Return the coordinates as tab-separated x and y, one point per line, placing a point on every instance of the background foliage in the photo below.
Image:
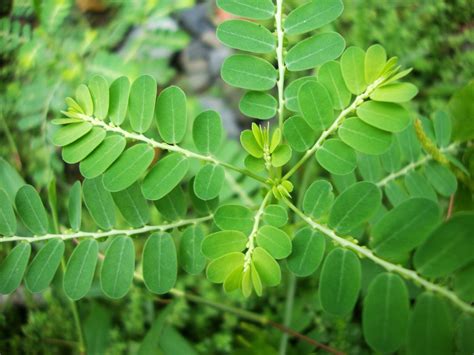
48	48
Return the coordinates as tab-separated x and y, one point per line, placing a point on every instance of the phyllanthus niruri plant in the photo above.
349	121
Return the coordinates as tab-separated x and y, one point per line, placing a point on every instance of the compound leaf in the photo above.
375	60
364	138
207	132
173	205
99	203
275	215
234	217
132	205
209	181
259	105
330	75
396	92
275	241
298	133
119	96
291	92
318	199
70	133
336	157
81	148
218	269
221	243
315	105
386	116
266	266
246	36
353	69
191	258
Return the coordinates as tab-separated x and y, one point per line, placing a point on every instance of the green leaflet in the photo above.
141	104
256	10
308	251
318	199
312	15
7	216
315	51
246	36
103	156
291	92
13	268
354	206
218	269
119	94
171	115
191	258
75	206
369	167
207	132
298	133
384	115
132	205
465	329
84	99
442	126
463	285
459	108
448	248
70	133
80	269
315	105
165	176
409	145
396	92
249	72
342	182
250	144
364	138
267	267
173	205
353	69
234	217
275	215
128	167
116	274
221	243
160	263
99	203
99	89
31	210
418	186
396	194
374	63
258	104
201	206
234	280
81	148
65	121
42	269
209	181
330	75
431	328
340	282
275	241
385	313
443	180
281	155
391	159
10	180
336	157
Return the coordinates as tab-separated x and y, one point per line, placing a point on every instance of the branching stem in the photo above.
335	125
362	251
113	232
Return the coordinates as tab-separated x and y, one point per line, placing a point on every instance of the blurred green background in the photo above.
48	47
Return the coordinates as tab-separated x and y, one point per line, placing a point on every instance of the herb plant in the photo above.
341	171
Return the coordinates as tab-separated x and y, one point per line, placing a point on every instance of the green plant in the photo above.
391	171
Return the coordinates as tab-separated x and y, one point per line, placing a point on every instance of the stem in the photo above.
412	166
290	298
255	317
281	64
362	251
235	186
333	128
253	233
168	147
110	233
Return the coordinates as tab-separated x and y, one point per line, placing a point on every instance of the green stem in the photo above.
412	166
334	127
168	147
109	233
281	63
290	298
363	251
